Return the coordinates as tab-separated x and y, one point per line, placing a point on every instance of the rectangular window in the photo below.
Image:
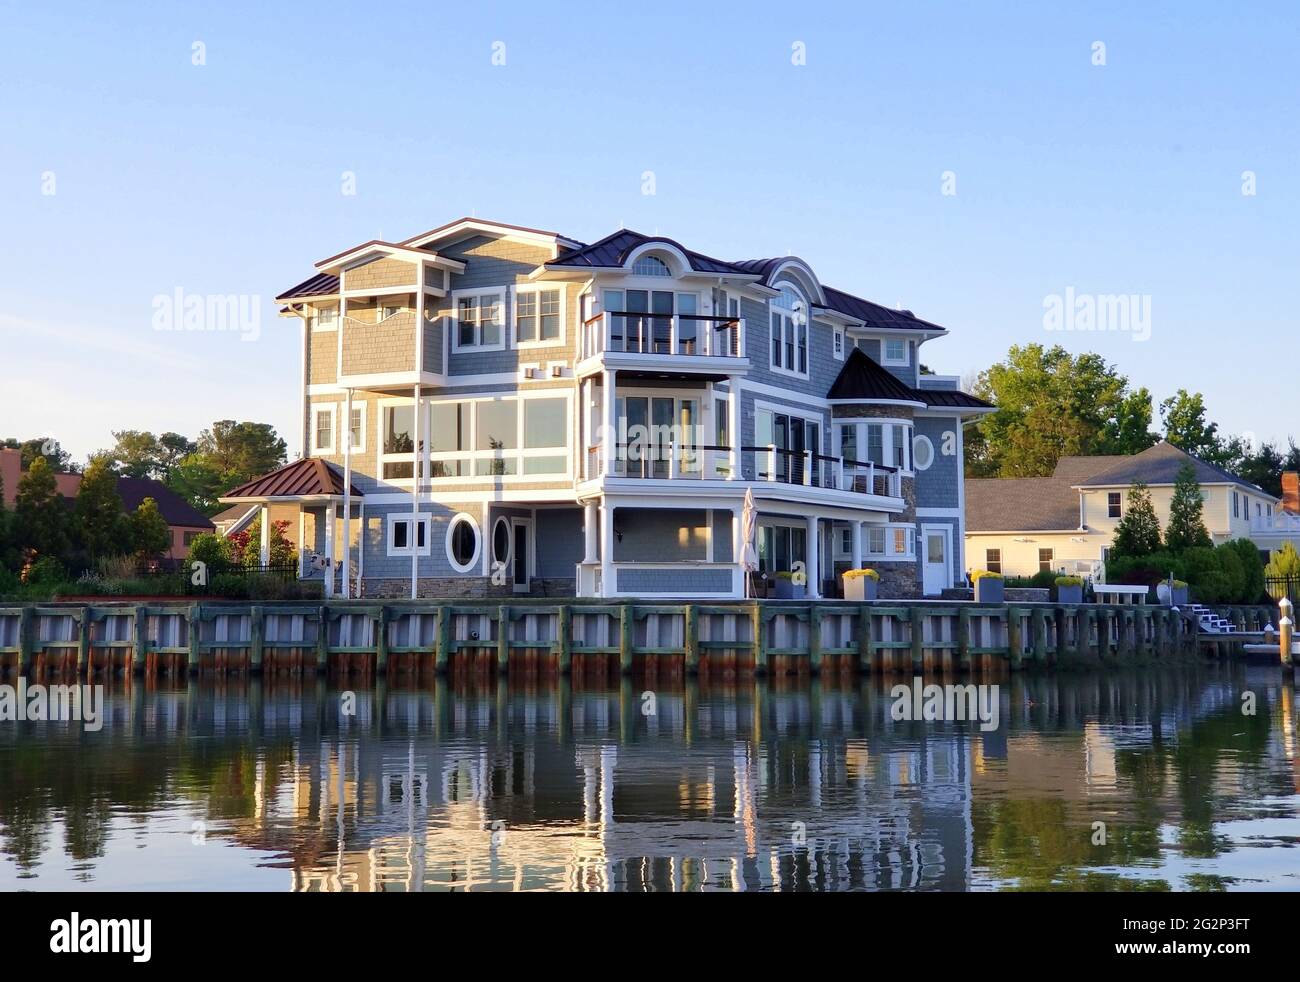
478	321
849	441
789	338
876	443
1234	505
993	560
449	436
402	529
389	310
357	428
894	351
837	344
876	541
900	542
1114	504
537	316
325	319
323	430
1044	560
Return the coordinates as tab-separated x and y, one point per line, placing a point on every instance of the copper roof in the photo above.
308	477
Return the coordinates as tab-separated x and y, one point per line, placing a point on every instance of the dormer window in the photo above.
789	322
651	266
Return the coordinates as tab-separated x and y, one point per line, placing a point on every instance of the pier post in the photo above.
139	625
814	639
381	640
917	632
1284	631
1015	644
503	640
26	639
625	627
864	638
563	636
1062	634
1040	635
256	638
322	639
442	645
83	641
691	638
963	639
760	652
193	627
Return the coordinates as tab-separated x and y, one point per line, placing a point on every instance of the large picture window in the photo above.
481	438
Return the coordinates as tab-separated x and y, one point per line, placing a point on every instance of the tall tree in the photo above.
1052	404
135	453
200	483
1183	417
40	516
100	520
149	529
1186	513
1138	531
242	451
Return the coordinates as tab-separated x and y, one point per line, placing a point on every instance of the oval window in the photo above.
462	542
922	453
501	541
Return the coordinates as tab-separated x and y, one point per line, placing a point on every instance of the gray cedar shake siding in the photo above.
650	531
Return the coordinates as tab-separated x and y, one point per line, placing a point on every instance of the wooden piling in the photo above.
625	637
864	638
691	638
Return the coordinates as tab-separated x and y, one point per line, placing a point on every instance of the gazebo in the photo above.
323	498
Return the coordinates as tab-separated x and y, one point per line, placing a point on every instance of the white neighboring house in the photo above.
1066	523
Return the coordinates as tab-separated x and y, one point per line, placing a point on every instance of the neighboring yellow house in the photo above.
1065	523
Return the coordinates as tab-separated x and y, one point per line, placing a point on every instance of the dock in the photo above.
599	639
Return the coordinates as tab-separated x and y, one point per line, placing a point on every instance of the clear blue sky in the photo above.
226	177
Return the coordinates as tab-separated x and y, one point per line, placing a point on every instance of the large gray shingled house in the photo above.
587	419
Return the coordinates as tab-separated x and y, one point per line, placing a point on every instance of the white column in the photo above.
346	435
606	549
264	550
813	559
737	555
331	517
610	437
591	532
857	544
733	424
416	468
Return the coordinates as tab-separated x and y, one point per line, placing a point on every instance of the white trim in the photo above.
538	238
478	541
359	405
894	362
536	289
775	391
332	409
315	317
839	343
926	442
923	555
502	293
508	559
393	520
938	513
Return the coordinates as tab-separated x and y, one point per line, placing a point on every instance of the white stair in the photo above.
1209	621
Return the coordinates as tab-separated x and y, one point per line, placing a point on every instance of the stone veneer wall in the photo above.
465	587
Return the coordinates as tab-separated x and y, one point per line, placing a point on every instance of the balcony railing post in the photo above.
839	474
771	461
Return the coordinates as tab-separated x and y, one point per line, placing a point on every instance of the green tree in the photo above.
40	515
1186	514
242	451
1183	417
1252	565
100	521
200	483
1138	531
151	534
1052	404
138	453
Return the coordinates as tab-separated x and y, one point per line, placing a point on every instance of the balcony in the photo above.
682	340
671	461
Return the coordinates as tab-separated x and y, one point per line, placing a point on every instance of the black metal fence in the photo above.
214	578
1278	587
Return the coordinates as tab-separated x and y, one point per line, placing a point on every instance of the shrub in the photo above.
47	571
981	574
1069	581
212	549
1282	565
1043	579
1253	569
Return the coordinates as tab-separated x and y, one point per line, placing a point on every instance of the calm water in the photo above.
265	786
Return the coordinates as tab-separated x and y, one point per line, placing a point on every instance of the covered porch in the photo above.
329	514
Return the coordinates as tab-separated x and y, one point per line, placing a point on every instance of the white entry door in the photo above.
936	565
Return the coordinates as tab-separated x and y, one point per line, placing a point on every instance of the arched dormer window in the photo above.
789	323
650	265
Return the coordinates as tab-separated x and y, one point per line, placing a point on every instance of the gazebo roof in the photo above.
309	477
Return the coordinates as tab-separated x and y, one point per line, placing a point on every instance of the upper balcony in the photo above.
680	342
770	470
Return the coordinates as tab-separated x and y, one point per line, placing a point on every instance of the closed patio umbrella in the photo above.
748	528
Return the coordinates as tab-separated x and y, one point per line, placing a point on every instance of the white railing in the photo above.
1279	521
662	334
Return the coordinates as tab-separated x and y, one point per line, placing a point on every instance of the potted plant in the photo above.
787	588
861	584
1173	592
1069	590
988	587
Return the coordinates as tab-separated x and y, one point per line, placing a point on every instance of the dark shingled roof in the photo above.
175	510
320	285
614	249
309	476
873	314
1160	465
951	399
862	378
1020	504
